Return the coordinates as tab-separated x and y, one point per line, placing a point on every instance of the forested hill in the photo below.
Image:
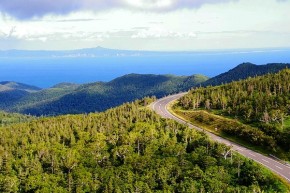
9	85
11	92
125	149
262	102
71	98
244	71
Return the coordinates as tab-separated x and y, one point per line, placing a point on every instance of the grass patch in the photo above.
232	130
213	122
210	126
287	122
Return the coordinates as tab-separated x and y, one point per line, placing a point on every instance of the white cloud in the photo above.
161	33
26	9
150	5
238	24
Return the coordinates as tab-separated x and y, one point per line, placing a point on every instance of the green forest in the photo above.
68	98
244	71
12	118
261	104
125	149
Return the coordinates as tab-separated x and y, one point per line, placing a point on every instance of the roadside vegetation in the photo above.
257	111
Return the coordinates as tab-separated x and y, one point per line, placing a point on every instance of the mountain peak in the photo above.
19	86
100	48
244	71
246	64
65	85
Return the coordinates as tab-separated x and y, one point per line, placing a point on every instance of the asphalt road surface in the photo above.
160	107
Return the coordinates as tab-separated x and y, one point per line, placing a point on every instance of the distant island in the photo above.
107	52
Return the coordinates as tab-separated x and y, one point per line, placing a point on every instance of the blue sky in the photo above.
144	24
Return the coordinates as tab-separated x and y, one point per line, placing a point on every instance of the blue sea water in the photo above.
47	72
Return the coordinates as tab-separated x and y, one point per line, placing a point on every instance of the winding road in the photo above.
160	107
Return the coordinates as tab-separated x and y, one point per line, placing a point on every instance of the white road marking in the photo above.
256	157
273	169
252	154
265	160
278	167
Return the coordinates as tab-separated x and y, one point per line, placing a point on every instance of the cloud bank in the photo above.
26	9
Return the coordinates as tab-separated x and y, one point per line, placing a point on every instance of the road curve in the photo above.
160	107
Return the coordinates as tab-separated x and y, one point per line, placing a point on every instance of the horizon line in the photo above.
139	50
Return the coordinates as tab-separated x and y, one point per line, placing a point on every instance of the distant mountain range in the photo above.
67	98
87	53
106	52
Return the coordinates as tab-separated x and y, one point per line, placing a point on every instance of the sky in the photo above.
144	24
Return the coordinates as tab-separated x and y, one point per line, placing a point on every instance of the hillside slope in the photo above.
244	71
10	85
70	98
12	92
261	102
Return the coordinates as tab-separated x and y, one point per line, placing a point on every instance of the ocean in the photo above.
46	72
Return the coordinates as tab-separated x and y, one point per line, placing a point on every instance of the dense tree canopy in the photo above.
263	102
93	97
244	71
125	149
11	118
